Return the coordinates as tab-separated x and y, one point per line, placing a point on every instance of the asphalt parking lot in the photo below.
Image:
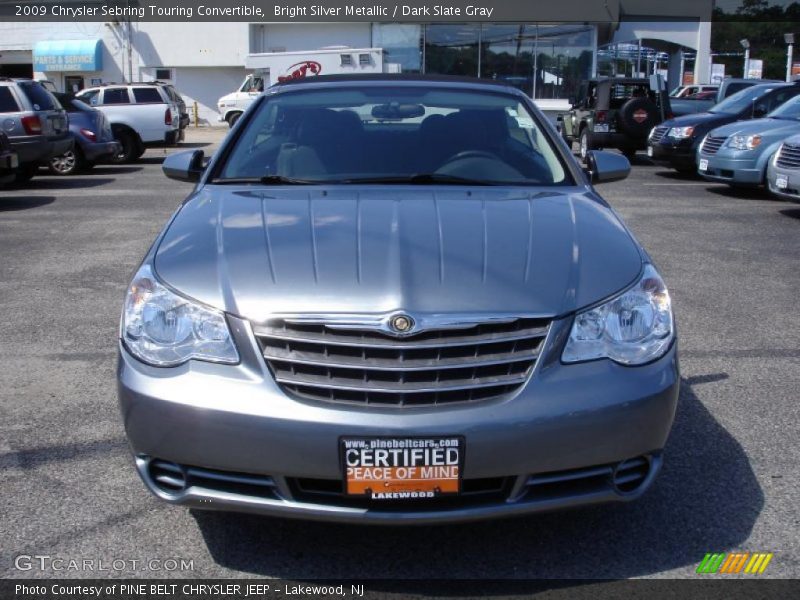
732	465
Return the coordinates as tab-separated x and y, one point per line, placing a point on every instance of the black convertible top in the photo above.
389	77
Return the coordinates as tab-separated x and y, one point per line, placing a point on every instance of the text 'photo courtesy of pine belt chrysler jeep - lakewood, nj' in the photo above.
396	299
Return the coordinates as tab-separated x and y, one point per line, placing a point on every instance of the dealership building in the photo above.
206	60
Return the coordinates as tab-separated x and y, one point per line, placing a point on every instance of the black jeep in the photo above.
613	113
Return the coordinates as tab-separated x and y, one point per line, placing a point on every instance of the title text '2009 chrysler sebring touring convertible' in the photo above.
396	299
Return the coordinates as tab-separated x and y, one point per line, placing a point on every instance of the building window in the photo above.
452	49
364	59
401	44
347	59
162	74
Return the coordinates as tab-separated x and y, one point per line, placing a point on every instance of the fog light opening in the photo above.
167	476
629	475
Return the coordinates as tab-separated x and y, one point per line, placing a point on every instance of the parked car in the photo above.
674	143
738	154
729	87
178	99
613	113
34	122
141	115
704	96
372	311
91	131
686	91
783	170
9	161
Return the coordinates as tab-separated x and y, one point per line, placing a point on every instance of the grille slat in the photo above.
378	341
400	386
658	133
401	364
367	366
789	157
711	145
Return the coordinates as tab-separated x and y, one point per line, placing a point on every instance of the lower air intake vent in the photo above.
630	474
167	475
173	478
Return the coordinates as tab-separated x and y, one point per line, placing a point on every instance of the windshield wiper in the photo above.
421	179
266	179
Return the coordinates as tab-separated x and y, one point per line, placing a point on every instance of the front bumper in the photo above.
733	171
236	420
675	154
792	190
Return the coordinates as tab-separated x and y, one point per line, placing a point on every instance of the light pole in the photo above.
789	39
746	45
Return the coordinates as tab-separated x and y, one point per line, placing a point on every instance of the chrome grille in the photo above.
366	366
658	133
712	144
789	157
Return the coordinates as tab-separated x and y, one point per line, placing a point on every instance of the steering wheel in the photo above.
470	154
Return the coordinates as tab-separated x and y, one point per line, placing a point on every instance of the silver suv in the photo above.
35	123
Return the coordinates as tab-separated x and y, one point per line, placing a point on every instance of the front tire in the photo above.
233	118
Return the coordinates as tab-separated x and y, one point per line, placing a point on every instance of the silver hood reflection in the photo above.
254	252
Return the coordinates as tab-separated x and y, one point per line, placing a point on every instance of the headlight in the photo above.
634	328
745	142
680	133
164	329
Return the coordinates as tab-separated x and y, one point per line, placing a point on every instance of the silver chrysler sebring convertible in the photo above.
396	299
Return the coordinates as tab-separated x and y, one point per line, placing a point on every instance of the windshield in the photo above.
39	97
789	110
394	135
740	101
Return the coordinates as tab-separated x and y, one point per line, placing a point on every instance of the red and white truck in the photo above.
272	67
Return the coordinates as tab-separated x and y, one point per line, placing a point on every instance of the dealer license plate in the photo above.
650	151
782	182
400	468
703	166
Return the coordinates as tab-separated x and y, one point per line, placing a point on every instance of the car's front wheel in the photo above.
233	118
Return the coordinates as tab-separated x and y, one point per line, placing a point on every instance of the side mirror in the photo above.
184	166
607	166
572	100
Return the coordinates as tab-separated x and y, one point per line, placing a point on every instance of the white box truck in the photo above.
272	67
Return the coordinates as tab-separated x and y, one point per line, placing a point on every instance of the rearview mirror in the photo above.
604	167
395	110
184	166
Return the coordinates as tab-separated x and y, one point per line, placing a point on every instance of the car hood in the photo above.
696	119
254	252
766	127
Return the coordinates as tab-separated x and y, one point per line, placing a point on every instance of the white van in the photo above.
272	67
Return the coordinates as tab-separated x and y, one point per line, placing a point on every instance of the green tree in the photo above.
764	25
